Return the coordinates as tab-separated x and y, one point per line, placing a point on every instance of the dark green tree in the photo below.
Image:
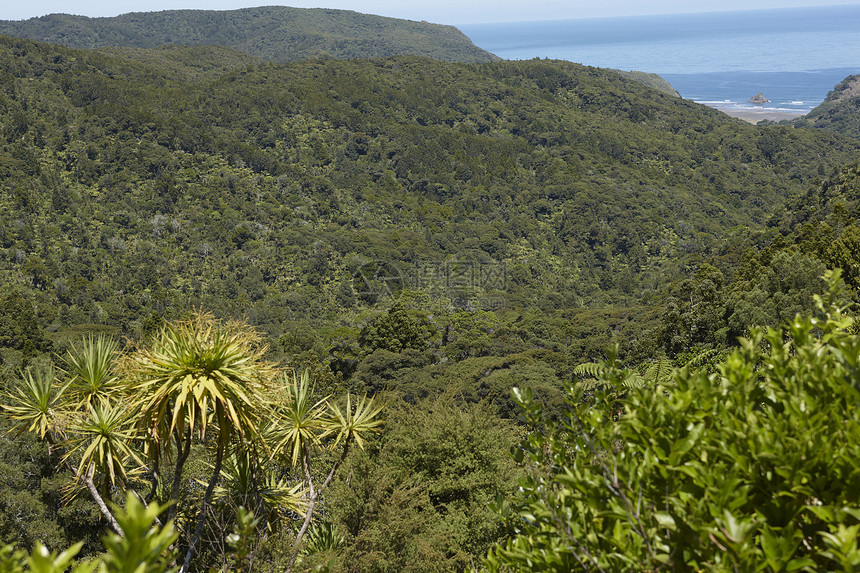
397	330
694	311
19	325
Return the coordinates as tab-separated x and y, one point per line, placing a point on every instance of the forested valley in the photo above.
397	314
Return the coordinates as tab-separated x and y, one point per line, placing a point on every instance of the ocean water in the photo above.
794	56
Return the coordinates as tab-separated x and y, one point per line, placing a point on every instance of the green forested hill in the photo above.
185	63
275	33
137	185
840	110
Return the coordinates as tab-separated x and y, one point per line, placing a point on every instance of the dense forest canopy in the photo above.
134	185
275	33
431	233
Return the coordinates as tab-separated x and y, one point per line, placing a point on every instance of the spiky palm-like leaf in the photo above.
34	401
346	425
279	495
103	438
90	366
323	536
200	370
354	424
245	476
300	420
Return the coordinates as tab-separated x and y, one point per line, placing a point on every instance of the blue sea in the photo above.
794	56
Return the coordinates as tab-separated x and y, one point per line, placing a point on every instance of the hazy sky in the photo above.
440	11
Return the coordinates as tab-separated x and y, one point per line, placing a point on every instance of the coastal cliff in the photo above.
652	81
847	90
840	110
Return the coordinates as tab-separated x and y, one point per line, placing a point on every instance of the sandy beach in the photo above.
755	115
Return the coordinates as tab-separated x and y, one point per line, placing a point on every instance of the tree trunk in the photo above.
154	477
312	498
204	507
314	495
100	502
181	455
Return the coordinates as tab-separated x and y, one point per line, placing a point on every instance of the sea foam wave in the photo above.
783	106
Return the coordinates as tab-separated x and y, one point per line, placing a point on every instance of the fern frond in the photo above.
702	358
590	369
631	381
658	372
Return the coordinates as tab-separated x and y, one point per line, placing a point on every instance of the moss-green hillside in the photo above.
275	33
652	81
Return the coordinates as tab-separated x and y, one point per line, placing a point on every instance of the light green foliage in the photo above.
146	548
749	469
43	561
